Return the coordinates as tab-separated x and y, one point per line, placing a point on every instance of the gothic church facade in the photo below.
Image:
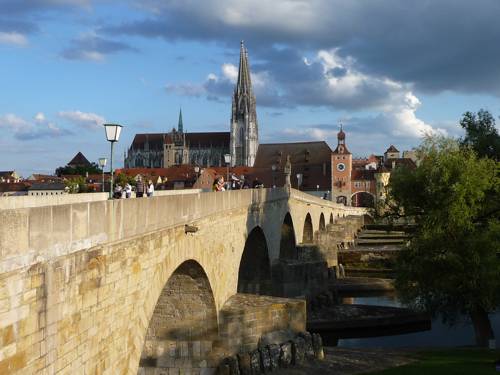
163	150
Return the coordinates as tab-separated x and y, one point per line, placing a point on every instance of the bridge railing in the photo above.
33	234
309	198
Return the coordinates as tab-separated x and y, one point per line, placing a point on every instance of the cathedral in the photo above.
163	150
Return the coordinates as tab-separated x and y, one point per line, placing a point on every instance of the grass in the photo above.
463	361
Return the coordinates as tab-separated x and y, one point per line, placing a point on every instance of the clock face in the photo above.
340	167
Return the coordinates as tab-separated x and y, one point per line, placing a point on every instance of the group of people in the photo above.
234	183
140	189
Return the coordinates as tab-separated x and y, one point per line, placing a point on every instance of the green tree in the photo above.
481	134
451	266
122	179
93	168
76	185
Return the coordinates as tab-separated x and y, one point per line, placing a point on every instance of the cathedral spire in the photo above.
244	139
244	81
180	126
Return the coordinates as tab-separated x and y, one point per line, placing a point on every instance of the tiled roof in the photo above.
300	153
392	149
400	162
363	174
154	140
14	186
79	159
47	186
202	140
6	174
205	140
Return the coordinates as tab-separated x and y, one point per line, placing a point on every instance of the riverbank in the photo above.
349	361
407	361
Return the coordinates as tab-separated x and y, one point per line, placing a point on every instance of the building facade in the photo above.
363	182
341	171
204	149
163	150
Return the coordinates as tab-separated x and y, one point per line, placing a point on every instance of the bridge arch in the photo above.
288	248
362	199
322	225
254	273
307	236
183	325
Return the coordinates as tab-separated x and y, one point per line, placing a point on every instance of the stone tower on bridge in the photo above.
244	127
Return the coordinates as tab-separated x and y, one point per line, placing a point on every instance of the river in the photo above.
440	335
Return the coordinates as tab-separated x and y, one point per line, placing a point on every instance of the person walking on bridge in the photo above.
139	188
151	188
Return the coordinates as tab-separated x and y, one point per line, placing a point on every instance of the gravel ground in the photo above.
347	361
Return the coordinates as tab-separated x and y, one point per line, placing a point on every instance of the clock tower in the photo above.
341	171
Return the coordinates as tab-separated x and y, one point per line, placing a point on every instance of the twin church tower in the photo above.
163	150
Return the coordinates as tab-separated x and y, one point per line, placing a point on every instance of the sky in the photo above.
389	70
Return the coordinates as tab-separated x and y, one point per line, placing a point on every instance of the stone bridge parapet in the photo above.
83	285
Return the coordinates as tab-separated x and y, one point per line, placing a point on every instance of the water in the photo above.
440	335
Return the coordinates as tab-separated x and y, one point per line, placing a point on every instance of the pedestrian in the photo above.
117	193
257	184
139	188
218	184
128	190
151	188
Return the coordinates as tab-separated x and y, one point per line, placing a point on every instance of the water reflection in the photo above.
440	335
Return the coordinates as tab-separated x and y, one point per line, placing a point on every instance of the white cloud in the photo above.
26	130
40	117
230	72
13	38
85	119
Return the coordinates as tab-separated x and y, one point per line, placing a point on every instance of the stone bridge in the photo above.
104	287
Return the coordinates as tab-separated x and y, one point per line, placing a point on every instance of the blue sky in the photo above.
388	69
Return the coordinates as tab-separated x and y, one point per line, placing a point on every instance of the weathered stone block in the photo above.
232	364
255	362
285	354
318	346
244	364
309	351
298	350
265	359
274	355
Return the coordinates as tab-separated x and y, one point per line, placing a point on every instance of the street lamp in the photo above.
299	180
102	164
273	167
112	135
227	159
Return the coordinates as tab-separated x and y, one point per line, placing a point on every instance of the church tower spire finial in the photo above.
244	84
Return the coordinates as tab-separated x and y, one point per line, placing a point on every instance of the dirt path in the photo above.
346	361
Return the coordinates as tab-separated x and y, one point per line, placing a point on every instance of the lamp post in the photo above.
113	132
227	159
102	164
273	167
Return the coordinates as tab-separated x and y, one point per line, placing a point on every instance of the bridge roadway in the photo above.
87	288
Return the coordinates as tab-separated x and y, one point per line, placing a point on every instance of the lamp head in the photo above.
113	132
